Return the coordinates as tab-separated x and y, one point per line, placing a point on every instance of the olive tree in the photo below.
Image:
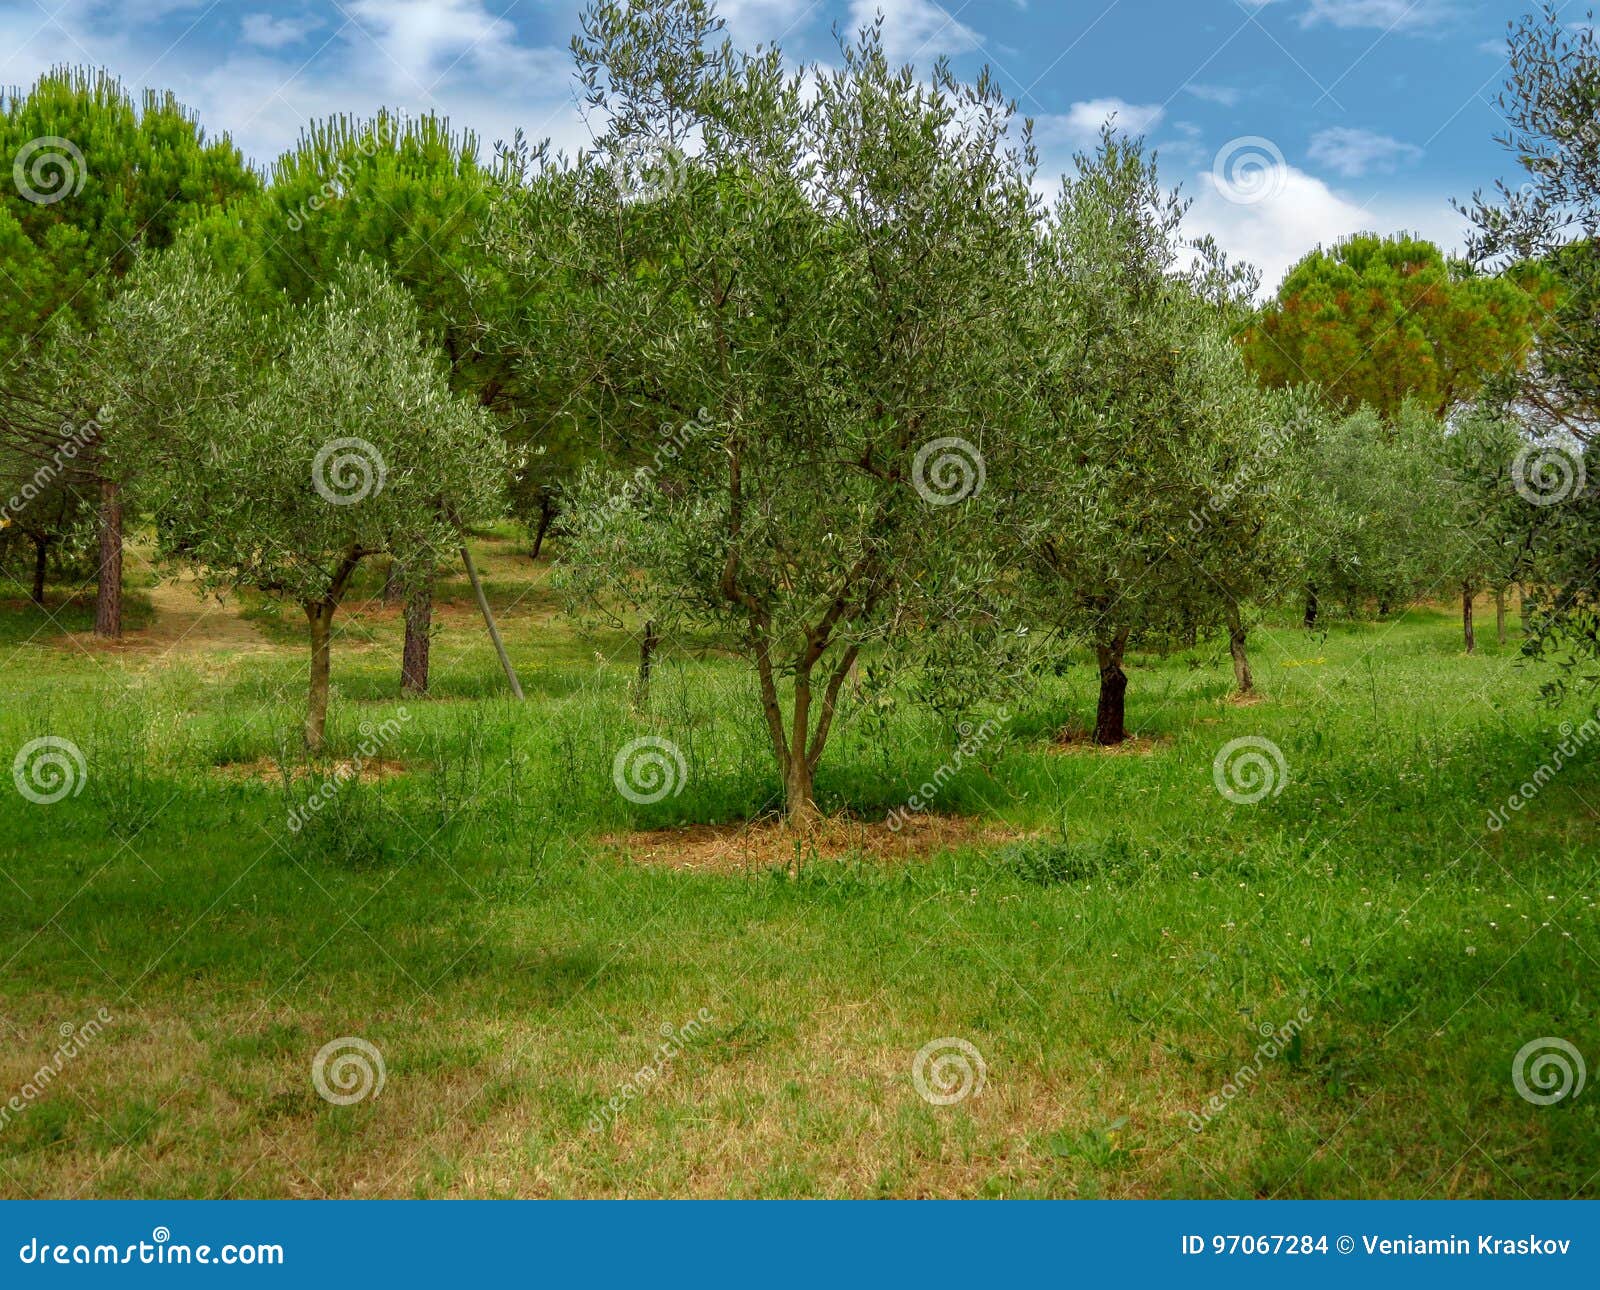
349	443
1379	530
822	284
1143	415
1503	536
1548	214
409	194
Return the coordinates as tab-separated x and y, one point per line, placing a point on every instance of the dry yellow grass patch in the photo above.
269	770
767	844
1072	739
1251	700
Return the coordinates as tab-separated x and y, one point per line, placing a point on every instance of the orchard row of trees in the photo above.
801	359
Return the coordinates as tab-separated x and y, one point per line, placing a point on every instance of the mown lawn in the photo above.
1113	970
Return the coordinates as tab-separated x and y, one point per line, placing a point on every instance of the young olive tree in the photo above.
1379	518
409	194
1143	414
820	287
1503	538
1247	543
349	444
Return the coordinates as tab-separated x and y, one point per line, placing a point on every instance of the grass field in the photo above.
559	1012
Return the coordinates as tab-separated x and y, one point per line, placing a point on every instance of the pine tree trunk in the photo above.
1110	720
319	615
1236	647
1466	616
1312	607
648	643
41	556
108	582
419	631
1500	614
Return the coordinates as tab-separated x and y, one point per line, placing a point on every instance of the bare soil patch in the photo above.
1075	740
759	845
182	621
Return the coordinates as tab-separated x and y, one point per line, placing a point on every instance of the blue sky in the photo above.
1288	122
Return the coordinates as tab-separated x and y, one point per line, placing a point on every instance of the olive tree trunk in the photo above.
1500	614
319	616
649	642
799	801
41	556
1110	718
1466	616
1312	606
1236	647
547	512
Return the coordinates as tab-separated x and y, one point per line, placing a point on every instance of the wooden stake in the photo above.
488	618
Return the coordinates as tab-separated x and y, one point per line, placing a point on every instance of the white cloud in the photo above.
1226	95
421	41
915	31
1397	15
264	99
1079	126
269	32
1300	212
1353	153
770	22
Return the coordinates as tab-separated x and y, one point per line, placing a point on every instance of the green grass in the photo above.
1114	967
